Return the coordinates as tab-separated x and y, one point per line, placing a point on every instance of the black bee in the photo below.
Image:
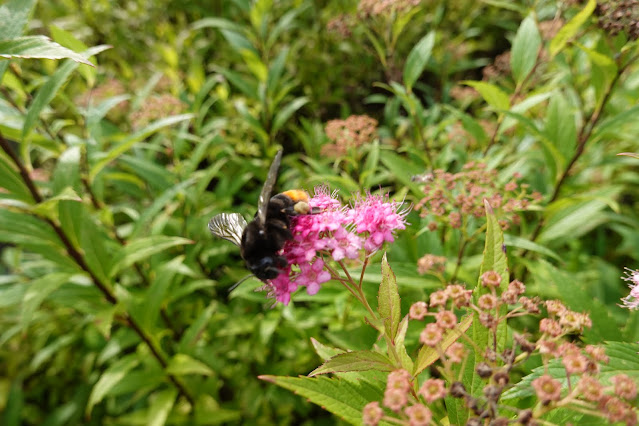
261	239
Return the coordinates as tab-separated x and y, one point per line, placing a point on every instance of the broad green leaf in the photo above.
427	355
14	15
20	228
569	30
151	304
355	361
160	407
417	60
67	170
284	113
523	243
525	49
493	95
114	374
182	364
140	249
560	128
134	139
38	47
343	398
388	301
37	292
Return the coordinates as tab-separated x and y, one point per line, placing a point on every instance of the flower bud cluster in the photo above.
353	132
580	384
453	197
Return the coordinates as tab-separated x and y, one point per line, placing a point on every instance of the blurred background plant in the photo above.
113	299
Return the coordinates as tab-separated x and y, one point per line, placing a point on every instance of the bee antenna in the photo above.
234	286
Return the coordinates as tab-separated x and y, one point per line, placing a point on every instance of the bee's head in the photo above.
268	267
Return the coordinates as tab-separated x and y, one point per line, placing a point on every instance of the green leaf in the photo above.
49	89
182	364
140	249
417	60
525	49
111	377
427	355
40	47
133	139
388	301
325	352
11	180
492	94
523	243
355	361
160	407
343	398
284	113
14	15
22	229
560	128
37	292
569	30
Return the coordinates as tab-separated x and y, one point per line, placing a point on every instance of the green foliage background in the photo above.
113	296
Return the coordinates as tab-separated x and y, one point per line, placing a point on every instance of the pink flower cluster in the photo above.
632	300
336	232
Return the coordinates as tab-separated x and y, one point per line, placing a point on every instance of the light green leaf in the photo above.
14	15
37	292
160	407
525	49
355	361
49	207
388	301
111	377
523	243
493	95
182	364
38	47
12	182
143	248
569	30
417	59
325	352
341	397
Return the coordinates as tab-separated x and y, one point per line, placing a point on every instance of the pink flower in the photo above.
547	388
334	231
632	300
432	390
372	414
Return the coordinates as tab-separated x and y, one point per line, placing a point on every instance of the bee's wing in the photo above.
228	226
265	195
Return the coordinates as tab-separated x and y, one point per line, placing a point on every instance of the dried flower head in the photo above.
590	388
547	388
455	352
372	414
616	16
418	310
625	387
156	107
371	8
430	263
353	132
418	415
340	25
432	390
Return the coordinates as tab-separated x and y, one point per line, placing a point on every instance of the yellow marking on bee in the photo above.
297	195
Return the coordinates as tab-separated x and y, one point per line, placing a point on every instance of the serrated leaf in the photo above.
140	249
343	398
182	364
37	292
111	376
388	301
525	49
14	15
569	30
493	95
355	361
428	355
38	47
325	352
417	59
